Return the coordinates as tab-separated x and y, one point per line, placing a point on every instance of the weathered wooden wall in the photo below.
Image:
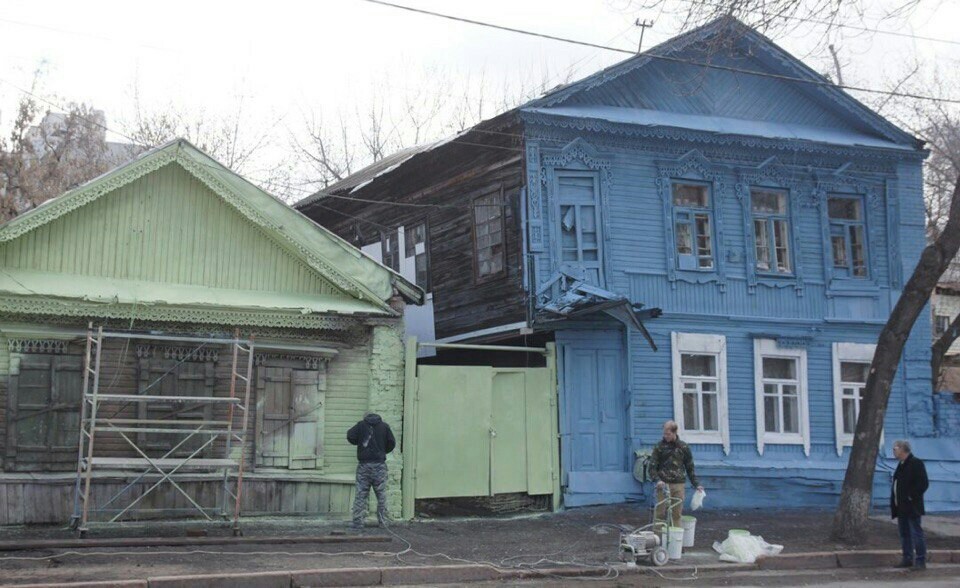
43	492
442	187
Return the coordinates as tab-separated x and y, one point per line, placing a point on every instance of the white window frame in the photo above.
769	348
707	345
852	352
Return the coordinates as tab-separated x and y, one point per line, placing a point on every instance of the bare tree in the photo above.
850	519
47	152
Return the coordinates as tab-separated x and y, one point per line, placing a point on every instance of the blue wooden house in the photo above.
710	231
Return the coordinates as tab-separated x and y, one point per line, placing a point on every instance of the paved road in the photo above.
936	576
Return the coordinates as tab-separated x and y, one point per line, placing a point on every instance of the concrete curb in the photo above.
391	576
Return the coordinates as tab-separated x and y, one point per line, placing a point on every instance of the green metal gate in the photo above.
479	430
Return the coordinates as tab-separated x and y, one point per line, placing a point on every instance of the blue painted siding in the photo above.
813	306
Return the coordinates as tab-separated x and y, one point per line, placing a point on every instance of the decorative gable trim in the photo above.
758	44
182	153
85	194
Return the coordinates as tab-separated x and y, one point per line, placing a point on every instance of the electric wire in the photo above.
806	19
654	56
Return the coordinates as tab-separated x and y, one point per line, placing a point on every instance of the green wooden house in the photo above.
175	244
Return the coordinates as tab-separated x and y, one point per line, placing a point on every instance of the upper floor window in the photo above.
848	237
693	222
941	324
771	230
389	250
580	229
415	247
488	235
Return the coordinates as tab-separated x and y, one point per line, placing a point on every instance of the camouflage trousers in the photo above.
375	475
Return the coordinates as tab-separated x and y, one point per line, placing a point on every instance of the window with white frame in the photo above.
771	230
851	365
700	387
693	226
781	395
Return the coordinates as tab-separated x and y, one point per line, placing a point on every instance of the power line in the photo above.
649	55
807	19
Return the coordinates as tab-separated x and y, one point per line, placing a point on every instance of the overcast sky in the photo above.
295	57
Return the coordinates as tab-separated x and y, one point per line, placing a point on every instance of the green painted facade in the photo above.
175	243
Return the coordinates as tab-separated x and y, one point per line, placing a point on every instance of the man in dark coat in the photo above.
906	505
374	440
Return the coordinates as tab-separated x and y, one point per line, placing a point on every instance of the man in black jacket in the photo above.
906	505
374	440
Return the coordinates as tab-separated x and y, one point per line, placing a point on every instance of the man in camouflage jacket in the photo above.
671	463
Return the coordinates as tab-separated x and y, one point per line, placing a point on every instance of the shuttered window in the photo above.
43	415
175	377
290	417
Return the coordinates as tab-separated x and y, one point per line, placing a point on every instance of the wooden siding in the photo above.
322	490
165	227
50	501
690	89
450	178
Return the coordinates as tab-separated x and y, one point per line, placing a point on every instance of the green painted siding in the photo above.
348	385
165	227
4	383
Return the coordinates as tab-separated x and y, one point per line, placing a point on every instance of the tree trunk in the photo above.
849	522
940	348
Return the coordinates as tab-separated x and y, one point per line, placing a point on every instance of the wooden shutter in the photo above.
170	377
44	411
273	411
290	417
306	428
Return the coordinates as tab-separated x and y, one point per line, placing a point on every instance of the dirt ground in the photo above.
583	536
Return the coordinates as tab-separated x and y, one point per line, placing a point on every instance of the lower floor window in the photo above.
700	387
851	366
781	395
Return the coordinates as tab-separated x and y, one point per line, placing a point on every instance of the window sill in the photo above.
701	438
852	287
782	439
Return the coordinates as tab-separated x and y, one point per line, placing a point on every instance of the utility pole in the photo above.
644	25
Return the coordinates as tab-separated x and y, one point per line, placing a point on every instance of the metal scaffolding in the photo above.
168	468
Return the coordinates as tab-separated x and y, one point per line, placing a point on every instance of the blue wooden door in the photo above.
594	407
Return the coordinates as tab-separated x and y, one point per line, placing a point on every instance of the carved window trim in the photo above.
45	346
872	195
693	167
577	157
770	174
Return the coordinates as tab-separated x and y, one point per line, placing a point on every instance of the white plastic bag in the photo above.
745	548
696	503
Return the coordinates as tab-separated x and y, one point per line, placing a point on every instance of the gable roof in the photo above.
730	28
332	257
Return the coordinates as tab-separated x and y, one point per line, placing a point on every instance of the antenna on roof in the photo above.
644	25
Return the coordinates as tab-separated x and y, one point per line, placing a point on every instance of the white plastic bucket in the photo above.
675	548
689	529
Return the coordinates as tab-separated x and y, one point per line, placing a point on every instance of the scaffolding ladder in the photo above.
168	468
